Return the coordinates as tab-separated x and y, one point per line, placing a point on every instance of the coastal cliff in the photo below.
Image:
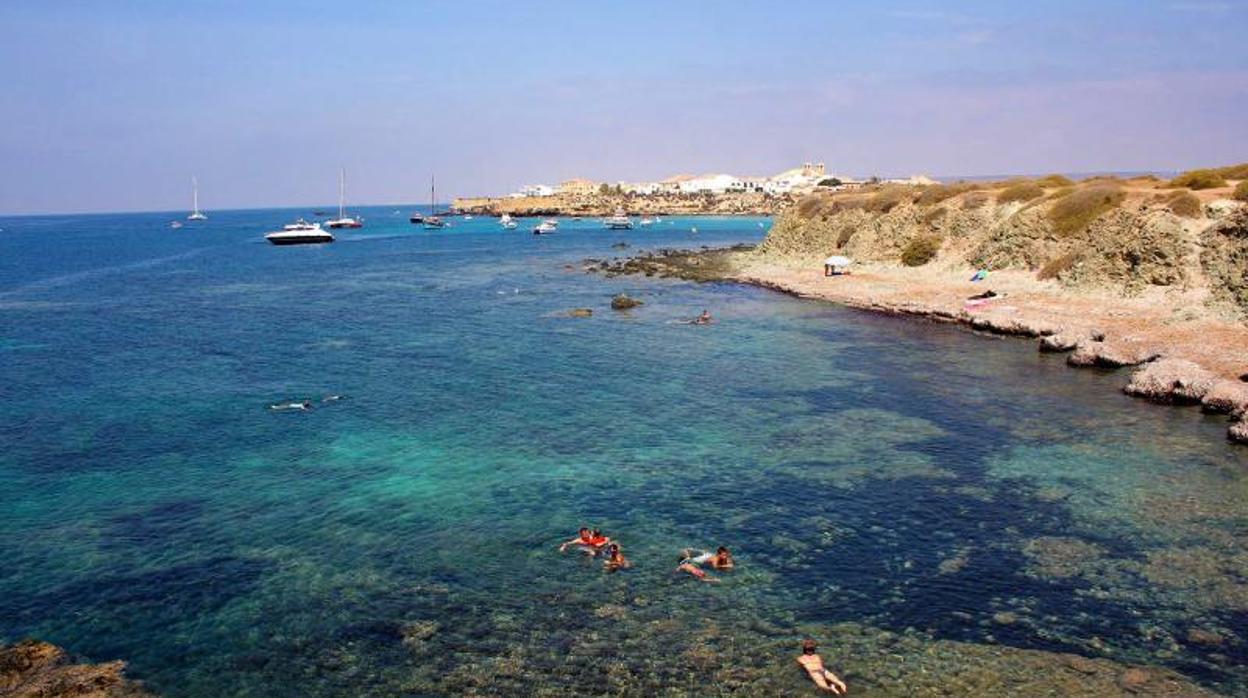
1116	272
602	204
32	668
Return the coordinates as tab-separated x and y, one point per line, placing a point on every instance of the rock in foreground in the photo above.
32	668
1171	380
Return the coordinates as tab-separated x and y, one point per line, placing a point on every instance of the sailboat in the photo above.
342	221
195	213
432	221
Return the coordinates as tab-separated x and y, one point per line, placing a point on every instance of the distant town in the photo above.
682	193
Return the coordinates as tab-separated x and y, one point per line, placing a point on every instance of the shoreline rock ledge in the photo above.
33	668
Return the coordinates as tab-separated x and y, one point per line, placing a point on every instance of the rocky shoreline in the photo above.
31	668
601	205
1164	373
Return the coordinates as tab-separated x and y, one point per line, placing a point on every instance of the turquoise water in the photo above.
402	541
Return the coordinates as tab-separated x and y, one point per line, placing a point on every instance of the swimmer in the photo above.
813	664
292	406
722	560
615	559
583	538
597	540
703	319
333	398
683	565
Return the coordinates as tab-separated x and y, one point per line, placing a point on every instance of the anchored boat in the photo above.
300	232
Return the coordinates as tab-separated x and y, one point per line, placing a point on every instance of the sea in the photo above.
401	537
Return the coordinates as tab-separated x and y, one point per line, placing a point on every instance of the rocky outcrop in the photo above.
623	301
1171	381
1226	396
1224	258
1110	354
31	669
1239	432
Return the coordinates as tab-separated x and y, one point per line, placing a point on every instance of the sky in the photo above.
115	105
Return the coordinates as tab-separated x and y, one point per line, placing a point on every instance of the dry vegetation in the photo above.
1241	191
1183	203
1020	191
1199	179
1075	211
920	250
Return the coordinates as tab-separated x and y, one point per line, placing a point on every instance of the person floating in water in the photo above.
721	559
615	559
813	664
333	398
591	542
703	319
582	539
292	406
685	565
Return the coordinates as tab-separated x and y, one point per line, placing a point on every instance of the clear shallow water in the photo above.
897	474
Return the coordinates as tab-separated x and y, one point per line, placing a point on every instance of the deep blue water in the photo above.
893	473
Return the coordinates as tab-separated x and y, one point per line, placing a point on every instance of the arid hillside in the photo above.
1188	234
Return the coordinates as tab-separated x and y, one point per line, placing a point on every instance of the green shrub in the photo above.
1183	203
1022	191
1076	210
1199	179
920	250
1241	191
889	198
1056	266
1054	180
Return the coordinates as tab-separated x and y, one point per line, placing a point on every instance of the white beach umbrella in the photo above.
838	261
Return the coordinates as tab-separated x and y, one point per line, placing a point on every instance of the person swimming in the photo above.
703	319
615	559
813	664
583	538
721	559
291	406
333	398
684	565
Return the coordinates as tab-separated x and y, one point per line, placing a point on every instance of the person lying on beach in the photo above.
583	538
813	664
292	406
721	559
615	559
693	570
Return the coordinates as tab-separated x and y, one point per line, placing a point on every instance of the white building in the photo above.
535	190
712	184
640	188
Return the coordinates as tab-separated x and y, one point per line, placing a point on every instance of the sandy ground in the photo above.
1174	324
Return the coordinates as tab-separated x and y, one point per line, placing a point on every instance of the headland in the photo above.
1143	272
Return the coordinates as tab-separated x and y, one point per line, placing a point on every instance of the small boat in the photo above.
467	217
646	221
619	221
300	232
546	227
433	222
175	224
343	220
196	214
417	218
508	222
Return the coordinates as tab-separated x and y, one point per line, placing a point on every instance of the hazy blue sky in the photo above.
114	105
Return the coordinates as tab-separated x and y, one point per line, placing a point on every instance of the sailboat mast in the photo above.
342	193
194	195
431	195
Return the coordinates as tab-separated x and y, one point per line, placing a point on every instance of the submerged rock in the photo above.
623	301
1171	380
33	668
581	312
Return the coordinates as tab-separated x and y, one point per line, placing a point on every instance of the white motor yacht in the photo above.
619	221
300	232
546	227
